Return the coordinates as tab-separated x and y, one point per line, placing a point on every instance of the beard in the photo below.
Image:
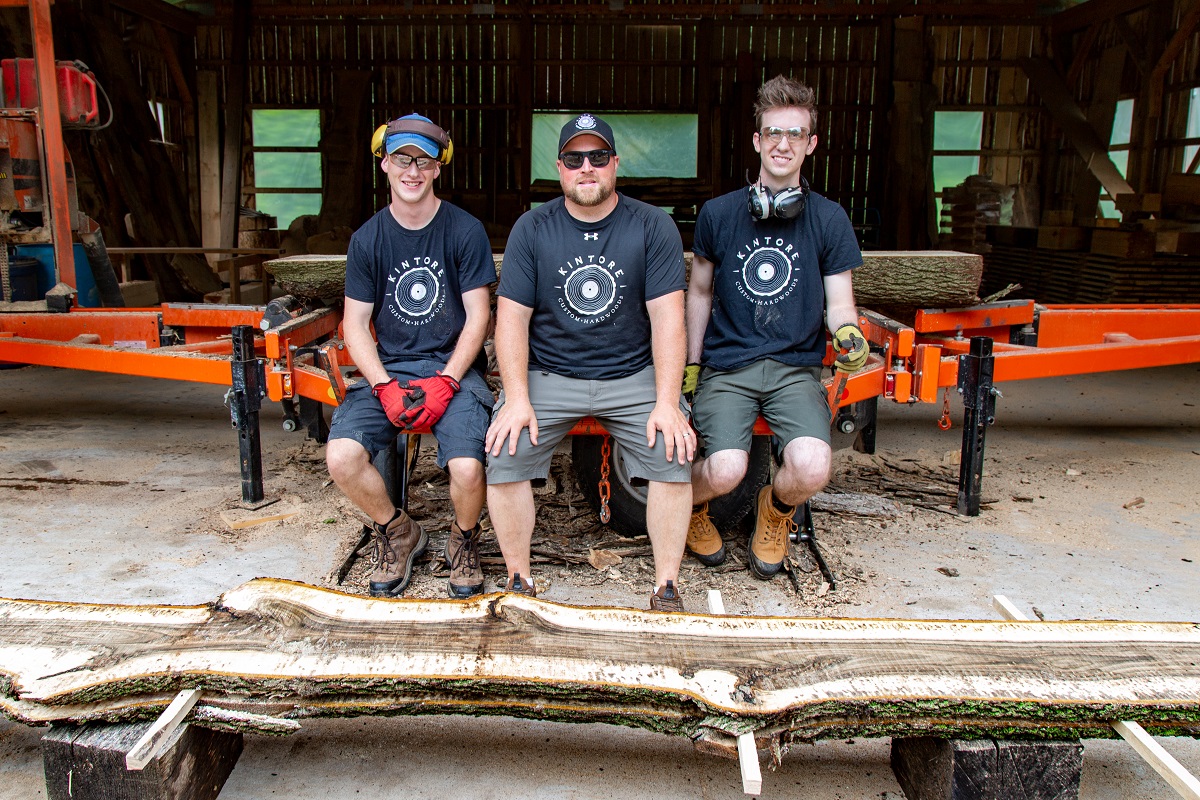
589	196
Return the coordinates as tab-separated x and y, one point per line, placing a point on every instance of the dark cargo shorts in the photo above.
459	433
791	399
621	405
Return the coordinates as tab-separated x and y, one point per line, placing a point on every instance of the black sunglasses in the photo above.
573	159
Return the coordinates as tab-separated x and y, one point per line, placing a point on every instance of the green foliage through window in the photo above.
955	131
286	156
649	145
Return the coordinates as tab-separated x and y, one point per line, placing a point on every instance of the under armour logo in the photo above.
593	236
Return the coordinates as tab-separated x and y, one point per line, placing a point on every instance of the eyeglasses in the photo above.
424	163
775	135
573	159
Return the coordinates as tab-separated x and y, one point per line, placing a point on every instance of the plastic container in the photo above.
23	279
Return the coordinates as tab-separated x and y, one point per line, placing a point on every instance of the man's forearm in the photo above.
469	343
699	309
512	355
366	355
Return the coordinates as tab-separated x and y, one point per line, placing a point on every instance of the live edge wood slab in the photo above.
271	651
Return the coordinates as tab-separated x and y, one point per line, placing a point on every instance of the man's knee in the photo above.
724	470
344	457
467	473
808	464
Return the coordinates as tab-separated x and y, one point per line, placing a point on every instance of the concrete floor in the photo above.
137	449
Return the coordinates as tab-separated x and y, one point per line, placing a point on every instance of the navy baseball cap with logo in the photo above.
586	123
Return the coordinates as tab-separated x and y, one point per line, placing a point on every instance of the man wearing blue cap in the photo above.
589	322
419	271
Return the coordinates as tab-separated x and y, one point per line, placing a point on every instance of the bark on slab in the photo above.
286	650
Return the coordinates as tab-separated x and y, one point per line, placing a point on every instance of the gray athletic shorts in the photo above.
621	405
459	433
791	399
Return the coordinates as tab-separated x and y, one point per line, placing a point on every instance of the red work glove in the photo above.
396	398
437	390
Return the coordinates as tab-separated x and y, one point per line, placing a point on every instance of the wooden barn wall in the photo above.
468	74
1138	39
976	68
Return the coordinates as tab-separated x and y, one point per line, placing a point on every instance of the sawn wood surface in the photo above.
283	650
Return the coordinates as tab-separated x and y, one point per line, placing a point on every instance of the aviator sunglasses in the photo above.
573	159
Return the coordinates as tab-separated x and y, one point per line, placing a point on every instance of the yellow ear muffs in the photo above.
420	127
377	141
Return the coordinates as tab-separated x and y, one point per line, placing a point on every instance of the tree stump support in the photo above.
88	763
930	768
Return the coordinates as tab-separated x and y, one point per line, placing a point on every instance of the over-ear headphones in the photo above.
787	204
420	127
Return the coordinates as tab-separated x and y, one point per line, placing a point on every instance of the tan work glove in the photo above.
851	347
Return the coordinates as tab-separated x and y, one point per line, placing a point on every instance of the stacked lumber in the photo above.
273	651
1054	276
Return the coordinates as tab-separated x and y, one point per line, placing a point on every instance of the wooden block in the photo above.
1012	236
139	294
1063	237
239	518
1145	203
929	768
252	295
1058	219
1123	244
1181	189
88	763
1184	243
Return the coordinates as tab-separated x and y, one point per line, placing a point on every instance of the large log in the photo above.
285	651
899	279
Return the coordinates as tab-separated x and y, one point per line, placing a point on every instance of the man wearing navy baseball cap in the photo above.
589	322
419	270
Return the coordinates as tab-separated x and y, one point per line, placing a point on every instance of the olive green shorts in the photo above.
791	399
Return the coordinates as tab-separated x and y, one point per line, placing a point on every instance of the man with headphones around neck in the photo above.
771	272
419	271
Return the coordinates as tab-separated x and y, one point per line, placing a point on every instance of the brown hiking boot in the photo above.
396	548
519	585
666	598
703	541
462	554
771	537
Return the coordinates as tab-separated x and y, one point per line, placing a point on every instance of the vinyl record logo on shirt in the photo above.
417	294
766	275
590	291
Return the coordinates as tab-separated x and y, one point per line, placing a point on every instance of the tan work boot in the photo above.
703	541
520	585
771	537
462	554
396	548
666	598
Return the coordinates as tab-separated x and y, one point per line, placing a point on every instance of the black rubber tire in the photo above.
628	499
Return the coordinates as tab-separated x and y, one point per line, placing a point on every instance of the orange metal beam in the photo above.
100	358
1060	326
111	328
50	124
976	318
1036	362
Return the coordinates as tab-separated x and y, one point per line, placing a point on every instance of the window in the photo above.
1118	151
287	162
159	113
957	146
1193	131
650	145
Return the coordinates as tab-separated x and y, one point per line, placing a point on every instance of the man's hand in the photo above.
691	380
396	398
677	433
850	339
509	421
438	391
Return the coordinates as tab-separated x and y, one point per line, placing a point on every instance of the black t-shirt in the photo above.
415	280
768	295
588	284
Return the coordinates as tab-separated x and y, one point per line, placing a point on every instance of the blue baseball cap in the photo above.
425	144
